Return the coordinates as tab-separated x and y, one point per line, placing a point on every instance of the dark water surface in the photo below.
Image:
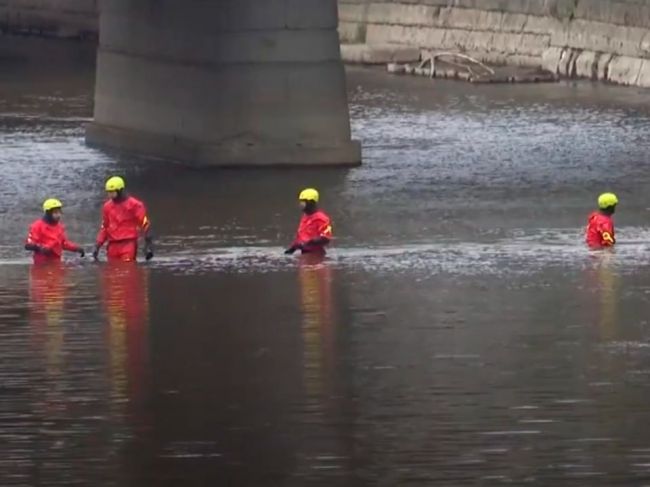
458	334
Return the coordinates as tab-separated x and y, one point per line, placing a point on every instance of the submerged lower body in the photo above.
312	256
314	250
598	246
122	251
46	259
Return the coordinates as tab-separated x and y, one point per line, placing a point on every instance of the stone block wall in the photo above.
54	18
599	39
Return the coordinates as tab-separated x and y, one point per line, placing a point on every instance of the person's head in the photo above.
115	187
308	200
53	210
607	203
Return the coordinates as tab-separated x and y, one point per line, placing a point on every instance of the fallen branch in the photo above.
456	55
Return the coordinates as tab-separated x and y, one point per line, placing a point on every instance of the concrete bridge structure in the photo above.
211	82
223	83
234	82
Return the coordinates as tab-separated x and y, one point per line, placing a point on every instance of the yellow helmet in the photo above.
115	183
309	194
52	204
607	200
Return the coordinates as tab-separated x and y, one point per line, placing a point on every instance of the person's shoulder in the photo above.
321	216
134	202
595	216
601	221
36	223
603	218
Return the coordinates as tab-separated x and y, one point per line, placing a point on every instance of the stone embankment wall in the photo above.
598	39
55	18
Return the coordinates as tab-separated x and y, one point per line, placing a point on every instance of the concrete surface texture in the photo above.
379	53
599	39
56	18
227	83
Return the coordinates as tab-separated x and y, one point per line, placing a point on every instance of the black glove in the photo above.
292	249
96	253
82	253
148	249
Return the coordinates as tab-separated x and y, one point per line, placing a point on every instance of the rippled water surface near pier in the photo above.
459	333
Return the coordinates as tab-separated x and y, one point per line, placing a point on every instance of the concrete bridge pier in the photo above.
223	82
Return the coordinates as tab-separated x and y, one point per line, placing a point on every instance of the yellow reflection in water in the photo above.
315	278
607	282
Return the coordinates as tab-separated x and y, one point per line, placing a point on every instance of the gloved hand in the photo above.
148	249
96	253
82	253
291	250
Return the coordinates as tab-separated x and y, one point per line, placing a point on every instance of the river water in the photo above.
459	333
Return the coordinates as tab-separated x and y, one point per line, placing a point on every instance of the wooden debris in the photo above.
450	65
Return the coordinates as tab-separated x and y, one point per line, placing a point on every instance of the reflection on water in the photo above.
125	295
317	323
458	333
320	374
47	289
605	279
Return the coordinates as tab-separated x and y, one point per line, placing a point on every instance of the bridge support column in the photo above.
223	83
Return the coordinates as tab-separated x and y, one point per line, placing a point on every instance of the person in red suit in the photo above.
124	218
600	227
315	230
47	238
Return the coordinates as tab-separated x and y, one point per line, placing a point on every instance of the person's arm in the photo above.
145	227
295	245
607	235
37	248
102	235
607	239
145	224
324	233
70	246
31	244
